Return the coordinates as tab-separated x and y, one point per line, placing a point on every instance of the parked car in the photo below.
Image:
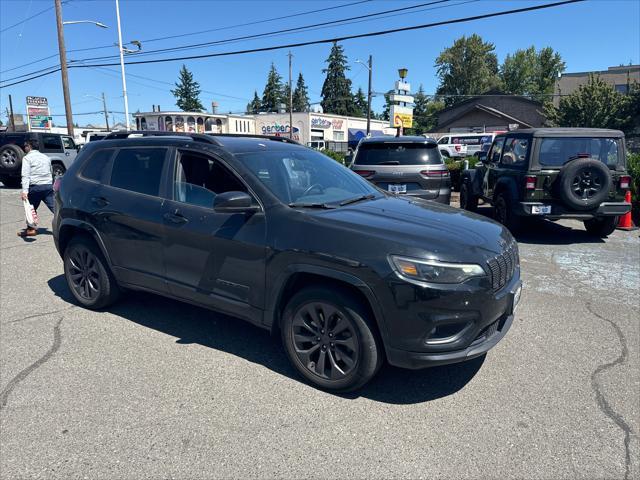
279	235
404	165
449	149
60	148
552	173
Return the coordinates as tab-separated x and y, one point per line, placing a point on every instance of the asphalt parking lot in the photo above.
158	389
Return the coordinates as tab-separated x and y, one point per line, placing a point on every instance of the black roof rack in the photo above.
197	137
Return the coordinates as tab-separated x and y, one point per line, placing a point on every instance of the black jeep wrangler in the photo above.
552	173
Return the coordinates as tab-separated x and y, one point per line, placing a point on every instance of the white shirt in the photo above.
36	170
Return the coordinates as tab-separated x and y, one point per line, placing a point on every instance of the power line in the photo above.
31	17
327	40
277	32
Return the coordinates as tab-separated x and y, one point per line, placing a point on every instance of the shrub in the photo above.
456	167
337	156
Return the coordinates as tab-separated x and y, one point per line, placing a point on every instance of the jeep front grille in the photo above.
503	266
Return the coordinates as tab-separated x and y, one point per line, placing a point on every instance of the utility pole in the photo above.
63	68
369	98
106	115
290	100
12	119
124	81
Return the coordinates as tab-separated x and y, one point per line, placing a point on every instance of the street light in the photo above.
369	93
63	61
124	50
97	24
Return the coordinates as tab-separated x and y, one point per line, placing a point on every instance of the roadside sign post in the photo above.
38	114
401	112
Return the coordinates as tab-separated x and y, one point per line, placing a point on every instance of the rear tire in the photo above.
11	158
503	212
88	275
330	339
468	201
601	227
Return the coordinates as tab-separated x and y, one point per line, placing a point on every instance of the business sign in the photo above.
38	114
401	116
37	101
319	122
280	130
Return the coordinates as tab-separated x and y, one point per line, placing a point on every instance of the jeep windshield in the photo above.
307	179
397	153
555	152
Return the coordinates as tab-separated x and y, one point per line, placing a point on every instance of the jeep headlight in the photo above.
433	271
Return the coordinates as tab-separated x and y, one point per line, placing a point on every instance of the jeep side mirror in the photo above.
482	157
233	202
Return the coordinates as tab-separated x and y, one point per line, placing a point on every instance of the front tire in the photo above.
601	227
57	170
330	339
88	276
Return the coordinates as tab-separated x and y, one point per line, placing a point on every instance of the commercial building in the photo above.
620	78
491	112
319	130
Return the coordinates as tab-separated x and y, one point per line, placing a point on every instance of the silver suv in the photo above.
405	166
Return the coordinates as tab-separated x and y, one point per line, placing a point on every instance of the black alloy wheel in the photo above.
57	170
330	338
8	158
468	201
504	214
325	342
587	183
88	275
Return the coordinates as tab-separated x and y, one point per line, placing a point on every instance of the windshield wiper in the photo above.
310	205
357	199
389	162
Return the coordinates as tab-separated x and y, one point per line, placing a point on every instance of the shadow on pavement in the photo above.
545	232
190	324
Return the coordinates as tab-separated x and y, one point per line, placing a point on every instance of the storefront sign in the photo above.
318	122
39	116
337	124
401	116
280	130
39	122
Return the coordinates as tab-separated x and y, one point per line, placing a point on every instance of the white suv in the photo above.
450	149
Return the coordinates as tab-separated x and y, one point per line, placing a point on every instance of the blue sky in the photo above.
592	35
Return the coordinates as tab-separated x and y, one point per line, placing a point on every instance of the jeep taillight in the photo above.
365	173
441	172
529	182
625	182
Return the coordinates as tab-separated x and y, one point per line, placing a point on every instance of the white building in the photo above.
194	122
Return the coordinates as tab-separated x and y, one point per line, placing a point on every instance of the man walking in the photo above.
37	181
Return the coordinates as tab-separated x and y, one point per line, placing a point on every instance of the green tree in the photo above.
360	101
254	105
300	96
468	67
272	96
425	112
187	92
386	111
595	104
528	72
336	90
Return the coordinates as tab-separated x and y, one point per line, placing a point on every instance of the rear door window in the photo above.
51	143
514	153
68	143
97	166
139	170
398	154
496	150
12	140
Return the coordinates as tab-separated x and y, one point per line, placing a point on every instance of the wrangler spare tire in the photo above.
584	183
10	158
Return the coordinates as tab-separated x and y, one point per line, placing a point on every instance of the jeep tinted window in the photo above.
95	167
139	169
51	142
555	152
398	154
514	153
496	150
12	139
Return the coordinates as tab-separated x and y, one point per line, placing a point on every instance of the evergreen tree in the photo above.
360	101
595	104
187	92
300	96
386	111
254	105
285	95
468	67
336	90
272	95
425	112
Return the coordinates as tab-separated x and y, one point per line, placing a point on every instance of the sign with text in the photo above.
39	116
319	122
401	116
37	101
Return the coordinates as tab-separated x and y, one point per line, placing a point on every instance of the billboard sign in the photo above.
38	113
401	116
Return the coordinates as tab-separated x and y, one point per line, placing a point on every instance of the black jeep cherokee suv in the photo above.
284	237
552	173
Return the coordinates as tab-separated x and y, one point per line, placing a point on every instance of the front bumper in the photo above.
606	209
